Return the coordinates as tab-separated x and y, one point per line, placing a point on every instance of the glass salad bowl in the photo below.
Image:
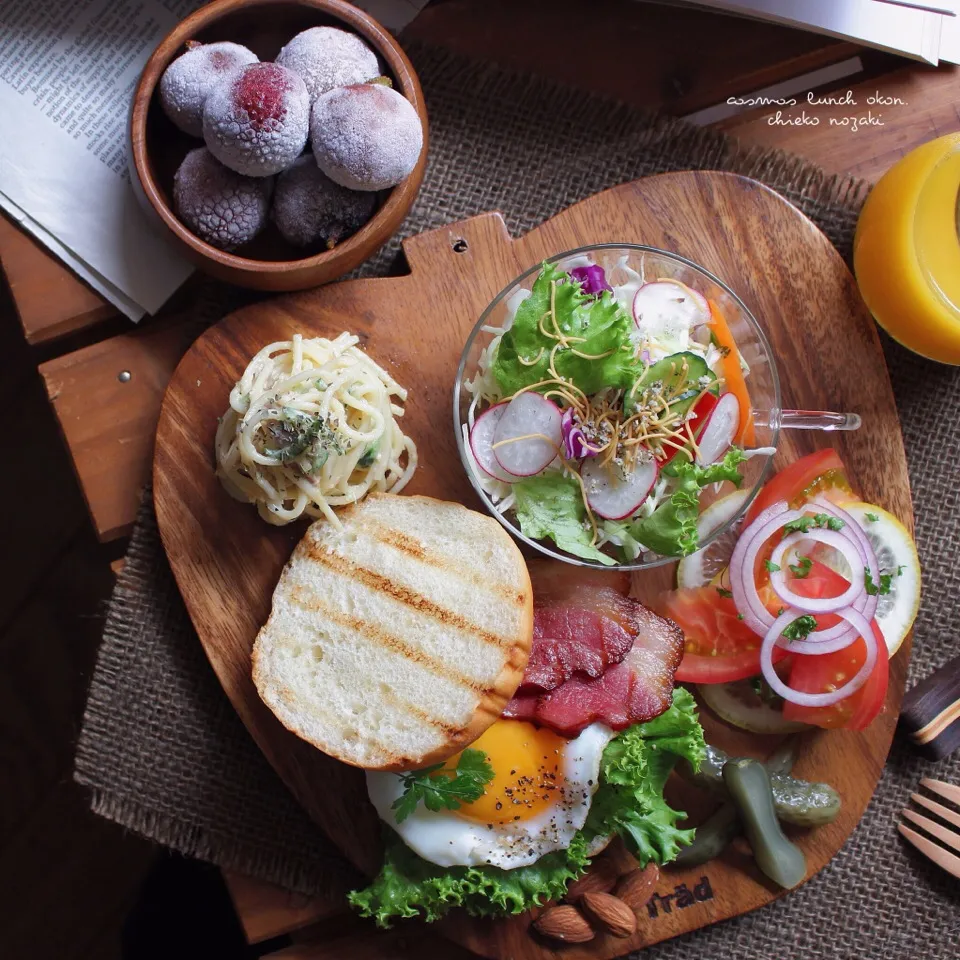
600	412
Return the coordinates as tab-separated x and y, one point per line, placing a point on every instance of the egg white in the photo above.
448	840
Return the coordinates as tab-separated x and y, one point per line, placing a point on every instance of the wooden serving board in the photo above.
227	561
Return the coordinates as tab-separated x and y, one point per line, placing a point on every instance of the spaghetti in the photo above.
312	426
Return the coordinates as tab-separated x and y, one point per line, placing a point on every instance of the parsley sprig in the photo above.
881	589
805	524
444	789
801	569
800	628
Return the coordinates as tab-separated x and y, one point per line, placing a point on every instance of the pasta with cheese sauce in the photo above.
312	426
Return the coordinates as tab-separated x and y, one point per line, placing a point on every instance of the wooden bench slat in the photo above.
366	942
108	424
267	911
50	300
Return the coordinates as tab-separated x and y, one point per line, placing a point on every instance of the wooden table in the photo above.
105	378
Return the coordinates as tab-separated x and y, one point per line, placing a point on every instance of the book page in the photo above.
950	39
900	29
67	74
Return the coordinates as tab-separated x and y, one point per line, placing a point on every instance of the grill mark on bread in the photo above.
414	548
289	700
307	600
452	731
402	594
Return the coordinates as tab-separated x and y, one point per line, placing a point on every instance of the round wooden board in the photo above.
227	561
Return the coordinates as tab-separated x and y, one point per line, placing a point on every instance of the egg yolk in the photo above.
528	772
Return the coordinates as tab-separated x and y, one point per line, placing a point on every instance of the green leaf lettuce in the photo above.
629	801
523	357
633	771
408	885
551	505
672	528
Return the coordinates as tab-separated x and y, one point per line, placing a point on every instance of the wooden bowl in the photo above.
157	147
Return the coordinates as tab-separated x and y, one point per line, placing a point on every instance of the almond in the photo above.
600	878
610	913
636	888
564	923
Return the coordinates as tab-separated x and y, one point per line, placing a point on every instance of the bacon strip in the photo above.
598	656
569	640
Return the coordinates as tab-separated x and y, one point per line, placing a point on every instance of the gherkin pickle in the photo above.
748	784
795	801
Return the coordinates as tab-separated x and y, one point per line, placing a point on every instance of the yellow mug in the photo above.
906	253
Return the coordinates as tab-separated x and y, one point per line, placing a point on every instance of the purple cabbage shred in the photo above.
575	446
591	278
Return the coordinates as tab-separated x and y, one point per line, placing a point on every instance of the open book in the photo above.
926	30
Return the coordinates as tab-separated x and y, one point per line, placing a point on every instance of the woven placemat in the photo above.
162	750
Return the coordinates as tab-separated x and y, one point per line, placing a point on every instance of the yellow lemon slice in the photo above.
897	556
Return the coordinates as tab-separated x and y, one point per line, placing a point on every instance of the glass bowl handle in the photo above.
807	420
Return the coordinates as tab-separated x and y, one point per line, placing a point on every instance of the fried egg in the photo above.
538	799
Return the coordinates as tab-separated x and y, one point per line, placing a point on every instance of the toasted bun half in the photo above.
394	643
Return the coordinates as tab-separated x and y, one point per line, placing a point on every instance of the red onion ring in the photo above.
773	637
743	586
868	555
851	553
867	604
743	583
813	646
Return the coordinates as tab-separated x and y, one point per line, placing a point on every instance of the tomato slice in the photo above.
820	472
818	674
718	647
701	410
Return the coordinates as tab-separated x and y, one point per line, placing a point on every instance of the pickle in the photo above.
713	836
748	784
802	803
795	801
781	761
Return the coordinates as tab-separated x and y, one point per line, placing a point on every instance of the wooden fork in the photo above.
933	851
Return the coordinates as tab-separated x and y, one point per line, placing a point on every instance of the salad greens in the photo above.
608	389
409	886
633	771
603	358
672	527
629	801
551	505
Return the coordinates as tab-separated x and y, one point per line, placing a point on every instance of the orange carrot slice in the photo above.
732	374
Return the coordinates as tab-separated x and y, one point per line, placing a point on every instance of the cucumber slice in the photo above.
680	373
739	705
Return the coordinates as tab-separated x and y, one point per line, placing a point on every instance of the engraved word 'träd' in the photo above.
681	897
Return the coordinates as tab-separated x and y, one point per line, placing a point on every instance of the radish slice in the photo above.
528	435
722	425
481	443
612	498
667	310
